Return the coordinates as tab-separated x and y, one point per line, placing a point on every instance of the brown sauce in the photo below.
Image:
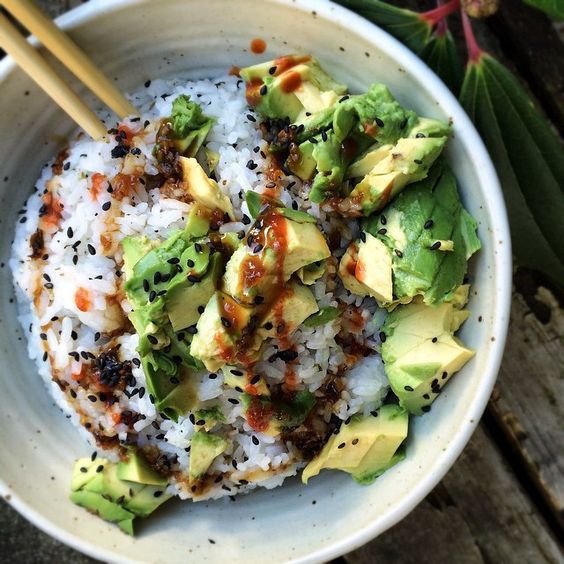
291	82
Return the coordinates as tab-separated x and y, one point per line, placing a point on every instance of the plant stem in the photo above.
442	26
474	51
433	17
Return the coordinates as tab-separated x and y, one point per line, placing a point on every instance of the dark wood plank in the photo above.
478	514
528	402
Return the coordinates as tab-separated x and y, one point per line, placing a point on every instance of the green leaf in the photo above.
405	25
441	55
323	316
254	202
554	8
529	159
297	216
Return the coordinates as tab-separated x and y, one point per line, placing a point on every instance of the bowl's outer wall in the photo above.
137	40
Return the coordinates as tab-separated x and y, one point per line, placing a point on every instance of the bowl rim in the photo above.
486	173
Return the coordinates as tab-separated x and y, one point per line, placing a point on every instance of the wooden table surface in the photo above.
503	500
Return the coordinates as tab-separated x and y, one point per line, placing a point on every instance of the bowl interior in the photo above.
137	40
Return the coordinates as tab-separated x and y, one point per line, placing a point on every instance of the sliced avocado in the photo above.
197	222
184	131
182	397
417	225
219	330
301	161
137	469
105	509
143	503
312	272
293	305
366	269
84	471
112	498
185	302
365	447
408	162
134	248
365	163
211	417
285	247
290	86
204	190
204	448
421	353
240	378
323	316
212	159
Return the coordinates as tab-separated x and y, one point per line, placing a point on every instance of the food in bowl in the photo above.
262	274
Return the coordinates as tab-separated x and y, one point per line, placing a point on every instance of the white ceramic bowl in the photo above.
134	40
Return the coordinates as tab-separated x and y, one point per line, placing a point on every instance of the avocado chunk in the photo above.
421	352
293	305
134	249
366	447
220	330
243	380
408	162
204	190
310	273
301	161
273	252
96	486
211	416
204	448
184	132
290	86
366	269
137	469
429	236
105	509
184	301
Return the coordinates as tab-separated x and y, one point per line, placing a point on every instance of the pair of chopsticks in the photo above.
68	53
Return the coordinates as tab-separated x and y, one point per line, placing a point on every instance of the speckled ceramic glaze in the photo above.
134	40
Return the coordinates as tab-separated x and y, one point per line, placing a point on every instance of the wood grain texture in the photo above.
528	401
478	514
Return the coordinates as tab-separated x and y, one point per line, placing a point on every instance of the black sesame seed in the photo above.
418	161
246	219
212	376
251	117
444	375
355	441
74	335
272	70
428	224
436	245
83	469
191	330
190	263
106	206
49	285
201	309
251	165
268	326
45	356
75	259
399	254
157	278
92	398
408	388
382	336
158	493
420	136
434	339
263	90
146	285
255	440
324	136
382	231
70	233
233	401
152	296
152	339
147	83
383	220
426	408
258	249
236	373
342	445
173	260
225	322
91	249
379	122
193	278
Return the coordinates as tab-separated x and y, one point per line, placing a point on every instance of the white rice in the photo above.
55	325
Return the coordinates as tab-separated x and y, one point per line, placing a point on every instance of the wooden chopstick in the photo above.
39	70
60	44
